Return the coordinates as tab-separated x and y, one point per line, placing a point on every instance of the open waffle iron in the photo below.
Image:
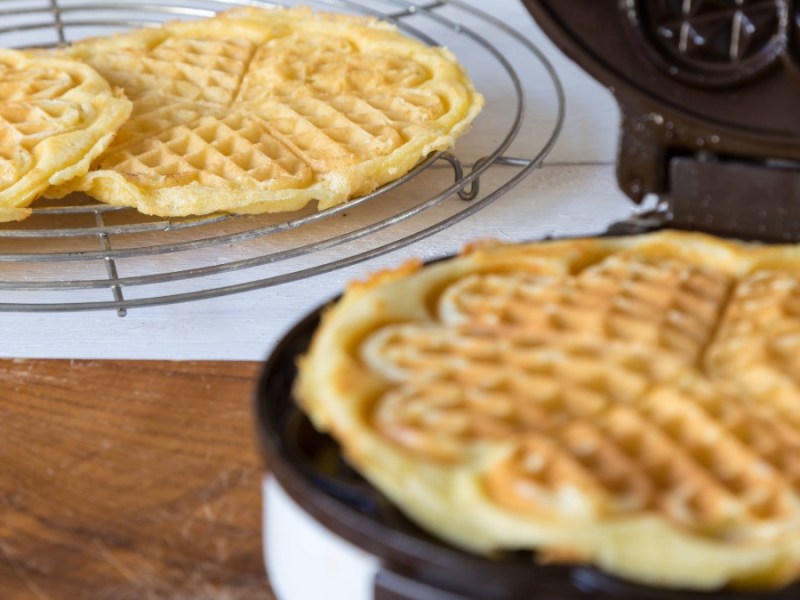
709	91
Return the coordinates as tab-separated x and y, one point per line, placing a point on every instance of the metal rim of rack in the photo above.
466	186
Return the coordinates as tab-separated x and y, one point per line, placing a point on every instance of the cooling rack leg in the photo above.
111	266
59	25
471	191
464	194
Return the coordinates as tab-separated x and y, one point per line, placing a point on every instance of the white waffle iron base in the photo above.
306	561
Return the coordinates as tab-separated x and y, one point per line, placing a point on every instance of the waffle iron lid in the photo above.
709	92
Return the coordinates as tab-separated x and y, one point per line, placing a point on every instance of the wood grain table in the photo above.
129	480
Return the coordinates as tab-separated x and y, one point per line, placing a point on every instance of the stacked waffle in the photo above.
633	403
264	111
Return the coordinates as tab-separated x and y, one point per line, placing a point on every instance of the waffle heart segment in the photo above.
56	116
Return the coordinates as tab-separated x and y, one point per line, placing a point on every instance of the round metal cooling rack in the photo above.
76	254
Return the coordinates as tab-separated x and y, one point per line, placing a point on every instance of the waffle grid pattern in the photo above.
624	382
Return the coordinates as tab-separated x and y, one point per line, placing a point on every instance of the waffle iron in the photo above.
707	91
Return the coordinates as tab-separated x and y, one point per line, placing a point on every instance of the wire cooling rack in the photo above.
76	254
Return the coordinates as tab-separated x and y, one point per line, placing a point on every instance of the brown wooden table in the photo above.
129	480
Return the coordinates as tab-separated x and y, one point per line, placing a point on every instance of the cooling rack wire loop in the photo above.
76	254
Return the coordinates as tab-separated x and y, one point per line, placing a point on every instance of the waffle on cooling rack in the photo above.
632	403
56	115
266	110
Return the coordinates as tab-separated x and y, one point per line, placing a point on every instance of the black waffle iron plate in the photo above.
709	92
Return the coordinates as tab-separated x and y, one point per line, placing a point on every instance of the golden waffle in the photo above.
632	402
265	110
56	115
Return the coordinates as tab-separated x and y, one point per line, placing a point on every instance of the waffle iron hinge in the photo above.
750	200
701	187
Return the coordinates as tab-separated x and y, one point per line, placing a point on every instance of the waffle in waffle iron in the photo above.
630	402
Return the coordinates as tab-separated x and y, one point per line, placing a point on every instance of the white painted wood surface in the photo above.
574	193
